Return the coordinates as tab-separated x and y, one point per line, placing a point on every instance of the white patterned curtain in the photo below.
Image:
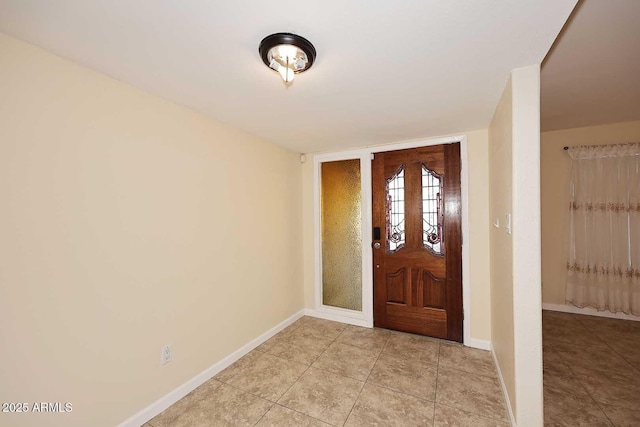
603	270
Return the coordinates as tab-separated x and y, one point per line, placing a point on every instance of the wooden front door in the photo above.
417	247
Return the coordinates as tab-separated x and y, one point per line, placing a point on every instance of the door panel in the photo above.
418	265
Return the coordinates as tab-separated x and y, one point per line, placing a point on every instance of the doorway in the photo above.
323	307
417	241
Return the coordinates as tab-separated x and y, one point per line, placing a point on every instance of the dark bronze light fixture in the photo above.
288	54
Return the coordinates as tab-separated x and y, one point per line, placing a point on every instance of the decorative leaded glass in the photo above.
432	212
395	219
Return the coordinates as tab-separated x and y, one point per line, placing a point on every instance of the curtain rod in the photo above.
565	148
633	146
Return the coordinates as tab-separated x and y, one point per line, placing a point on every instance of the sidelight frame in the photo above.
365	317
354	317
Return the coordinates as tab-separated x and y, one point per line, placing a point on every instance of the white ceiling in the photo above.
592	75
386	70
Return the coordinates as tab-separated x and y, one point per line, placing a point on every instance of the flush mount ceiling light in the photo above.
288	54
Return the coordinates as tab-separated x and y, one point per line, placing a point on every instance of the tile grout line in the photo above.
273	403
296	380
599	404
492	377
302	413
318	357
612	349
434	401
284	407
599	348
287	336
242	391
356	347
189	406
261	416
435	390
573	374
304	372
504	418
367	379
622	357
398	391
261	353
422	399
581	321
292	384
240	370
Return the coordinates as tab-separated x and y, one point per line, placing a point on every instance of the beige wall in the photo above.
514	141
308	239
129	222
556	167
501	247
527	294
478	239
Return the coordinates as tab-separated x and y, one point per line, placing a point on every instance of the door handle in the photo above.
376	245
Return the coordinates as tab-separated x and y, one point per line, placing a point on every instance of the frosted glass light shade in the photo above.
287	53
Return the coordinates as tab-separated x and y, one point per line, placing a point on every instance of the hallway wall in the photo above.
516	323
127	223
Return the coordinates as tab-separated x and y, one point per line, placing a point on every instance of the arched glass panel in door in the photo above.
432	211
395	215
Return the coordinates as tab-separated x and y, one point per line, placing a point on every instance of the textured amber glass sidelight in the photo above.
342	234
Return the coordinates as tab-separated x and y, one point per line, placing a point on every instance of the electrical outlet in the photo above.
165	354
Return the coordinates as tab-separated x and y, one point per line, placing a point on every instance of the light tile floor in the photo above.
591	370
322	373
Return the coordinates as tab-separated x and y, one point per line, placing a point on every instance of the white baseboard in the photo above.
480	344
336	318
504	387
589	311
181	391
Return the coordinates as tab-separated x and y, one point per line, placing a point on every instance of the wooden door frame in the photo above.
365	317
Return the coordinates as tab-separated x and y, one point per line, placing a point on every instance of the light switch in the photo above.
507	226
